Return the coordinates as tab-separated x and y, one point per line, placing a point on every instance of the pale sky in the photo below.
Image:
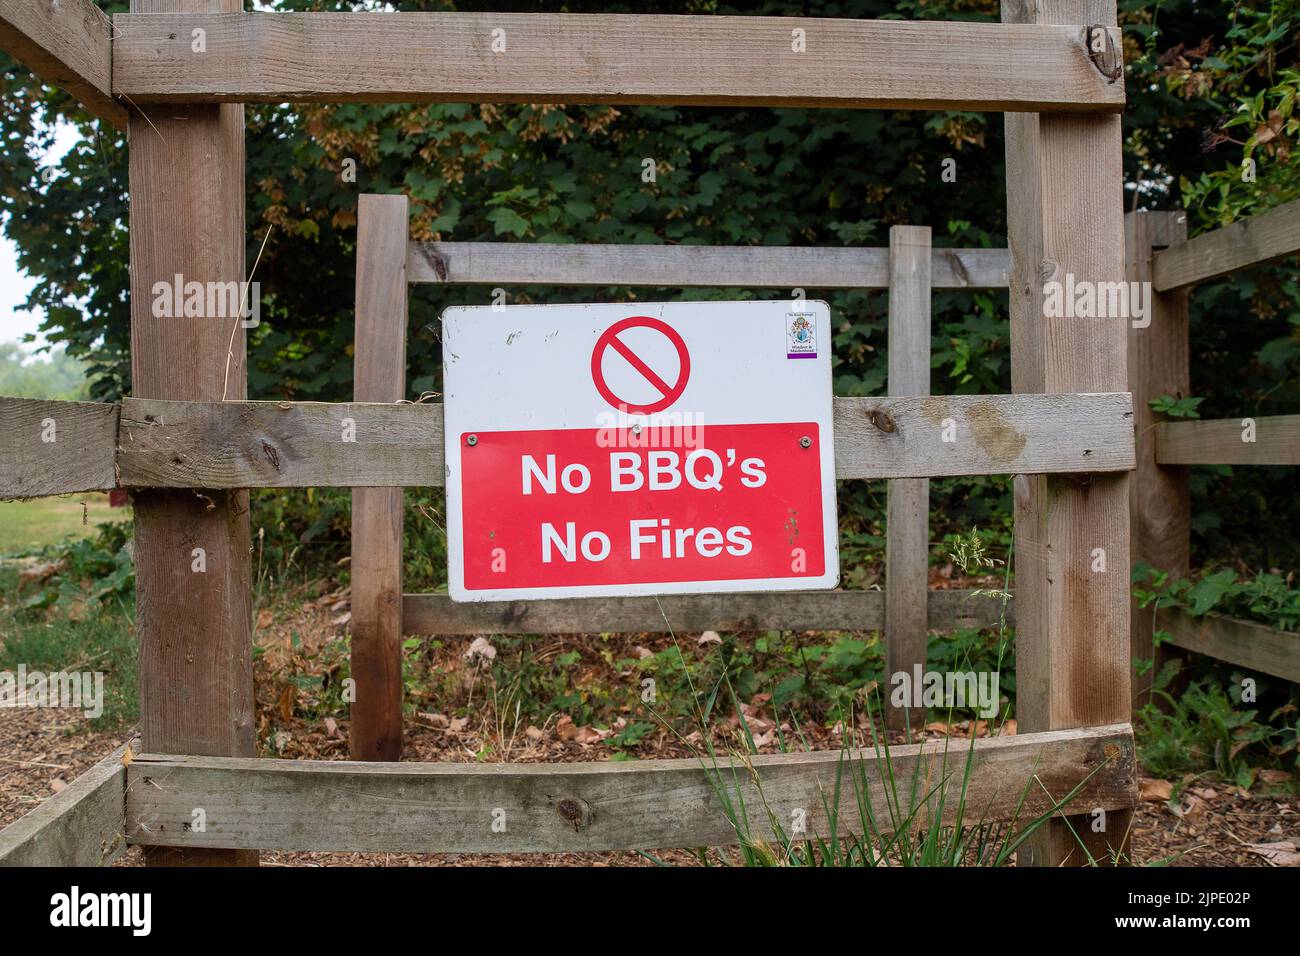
15	286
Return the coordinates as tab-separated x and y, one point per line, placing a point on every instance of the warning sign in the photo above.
642	449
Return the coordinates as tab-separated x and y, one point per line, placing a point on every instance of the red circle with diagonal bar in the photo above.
609	340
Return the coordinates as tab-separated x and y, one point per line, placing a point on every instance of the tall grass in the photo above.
876	813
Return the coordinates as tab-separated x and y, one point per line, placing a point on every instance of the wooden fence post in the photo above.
1159	495
379	376
1065	225
907	521
193	587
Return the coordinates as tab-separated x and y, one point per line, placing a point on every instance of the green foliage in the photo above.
1172	407
96	569
1255	77
100	637
24	375
1269	598
1206	727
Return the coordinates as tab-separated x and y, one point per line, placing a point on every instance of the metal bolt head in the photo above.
805	442
471	440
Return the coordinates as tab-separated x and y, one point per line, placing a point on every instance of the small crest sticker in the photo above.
800	335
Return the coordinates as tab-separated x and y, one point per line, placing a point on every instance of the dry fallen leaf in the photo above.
1283	853
58	785
1274	776
288	697
458	724
533	733
127	756
564	728
1155	791
709	637
1190	808
481	652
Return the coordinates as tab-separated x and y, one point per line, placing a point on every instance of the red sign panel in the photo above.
584	507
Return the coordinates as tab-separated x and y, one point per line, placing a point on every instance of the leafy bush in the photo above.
1269	598
1208	727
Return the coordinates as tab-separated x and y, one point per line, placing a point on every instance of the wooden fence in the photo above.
1159	252
1066	433
908	269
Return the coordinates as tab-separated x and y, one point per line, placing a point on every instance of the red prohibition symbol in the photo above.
609	340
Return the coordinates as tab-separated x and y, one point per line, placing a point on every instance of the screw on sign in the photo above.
678	450
610	341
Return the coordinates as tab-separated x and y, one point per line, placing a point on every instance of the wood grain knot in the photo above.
271	454
1102	52
577	812
436	262
882	420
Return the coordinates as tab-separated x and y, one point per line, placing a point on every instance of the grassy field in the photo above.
30	524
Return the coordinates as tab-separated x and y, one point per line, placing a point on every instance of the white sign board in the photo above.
638	449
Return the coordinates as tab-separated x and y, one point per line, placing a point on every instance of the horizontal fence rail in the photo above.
753	267
1267	440
56	448
1250	242
644	804
792	611
300	444
68	44
1244	643
81	825
603	58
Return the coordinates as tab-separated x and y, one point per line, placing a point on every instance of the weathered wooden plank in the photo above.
745	267
907	508
383	223
632	59
193	573
451	807
948	610
67	43
1244	643
55	448
300	444
1266	440
1160	509
82	825
1065	220
1248	242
